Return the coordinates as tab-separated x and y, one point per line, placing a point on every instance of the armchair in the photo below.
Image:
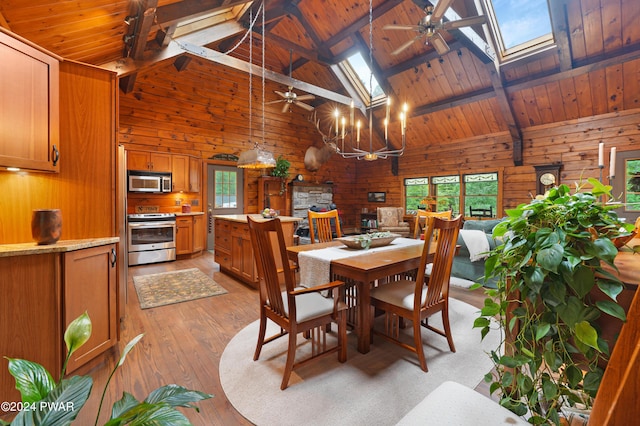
391	219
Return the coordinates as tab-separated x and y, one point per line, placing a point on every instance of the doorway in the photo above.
224	195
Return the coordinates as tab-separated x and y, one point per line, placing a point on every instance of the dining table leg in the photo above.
364	317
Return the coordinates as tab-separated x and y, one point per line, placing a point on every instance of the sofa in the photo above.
463	266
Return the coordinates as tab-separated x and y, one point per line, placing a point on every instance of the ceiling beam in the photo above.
507	113
560	25
176	12
237	64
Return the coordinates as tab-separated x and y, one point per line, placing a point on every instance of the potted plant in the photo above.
281	170
47	403
549	266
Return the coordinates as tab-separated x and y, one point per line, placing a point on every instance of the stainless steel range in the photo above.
151	238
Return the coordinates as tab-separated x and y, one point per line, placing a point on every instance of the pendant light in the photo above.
257	157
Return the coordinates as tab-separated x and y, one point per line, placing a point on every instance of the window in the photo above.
519	27
415	191
459	192
447	193
362	79
632	180
481	192
226	189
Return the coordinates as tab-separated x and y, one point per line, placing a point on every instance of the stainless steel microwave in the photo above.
150	182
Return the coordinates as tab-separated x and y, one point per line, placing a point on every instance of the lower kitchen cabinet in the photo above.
190	234
232	245
43	289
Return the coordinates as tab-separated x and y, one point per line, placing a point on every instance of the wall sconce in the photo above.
128	38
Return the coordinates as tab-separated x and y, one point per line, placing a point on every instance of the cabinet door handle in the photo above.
56	155
114	257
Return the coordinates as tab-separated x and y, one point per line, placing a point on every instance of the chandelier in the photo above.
257	157
345	139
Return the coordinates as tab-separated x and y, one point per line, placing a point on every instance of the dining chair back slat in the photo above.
322	225
417	229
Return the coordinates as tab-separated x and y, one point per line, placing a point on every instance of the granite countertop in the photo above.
243	217
22	249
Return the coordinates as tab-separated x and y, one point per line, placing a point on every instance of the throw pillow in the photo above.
388	217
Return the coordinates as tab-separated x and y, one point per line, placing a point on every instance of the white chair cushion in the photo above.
309	306
454	404
398	293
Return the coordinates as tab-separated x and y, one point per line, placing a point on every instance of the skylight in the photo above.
359	73
519	25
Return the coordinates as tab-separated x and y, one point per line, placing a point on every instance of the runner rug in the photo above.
167	288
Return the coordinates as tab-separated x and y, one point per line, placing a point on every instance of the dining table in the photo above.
360	269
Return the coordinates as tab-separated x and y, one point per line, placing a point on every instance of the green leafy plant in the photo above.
47	403
281	170
549	266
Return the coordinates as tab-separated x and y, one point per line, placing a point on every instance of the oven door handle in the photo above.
152	224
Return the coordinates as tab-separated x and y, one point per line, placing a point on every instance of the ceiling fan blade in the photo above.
303	105
274	102
280	93
406	45
440	9
305	97
401	27
465	22
439	44
286	107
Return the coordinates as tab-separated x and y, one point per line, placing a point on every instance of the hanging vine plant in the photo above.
548	268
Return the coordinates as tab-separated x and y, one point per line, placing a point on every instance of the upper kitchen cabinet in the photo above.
145	160
186	172
29	106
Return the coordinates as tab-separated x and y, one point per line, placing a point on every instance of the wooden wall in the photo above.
203	111
85	187
574	143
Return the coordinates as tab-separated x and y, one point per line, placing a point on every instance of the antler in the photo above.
327	139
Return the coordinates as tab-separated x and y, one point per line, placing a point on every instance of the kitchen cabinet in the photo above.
233	250
199	234
195	171
30	105
180	173
43	289
190	234
184	235
152	161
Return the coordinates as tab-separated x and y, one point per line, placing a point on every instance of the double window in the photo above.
458	193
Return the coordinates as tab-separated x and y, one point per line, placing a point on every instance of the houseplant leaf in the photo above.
32	380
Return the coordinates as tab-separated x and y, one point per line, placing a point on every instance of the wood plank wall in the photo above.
202	111
574	143
84	189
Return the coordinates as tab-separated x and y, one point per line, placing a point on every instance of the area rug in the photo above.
167	288
376	388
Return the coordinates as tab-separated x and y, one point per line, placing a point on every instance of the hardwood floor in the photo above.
183	344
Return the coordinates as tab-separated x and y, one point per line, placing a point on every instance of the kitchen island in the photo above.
45	287
232	244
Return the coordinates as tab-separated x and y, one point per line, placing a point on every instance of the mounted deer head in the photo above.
314	157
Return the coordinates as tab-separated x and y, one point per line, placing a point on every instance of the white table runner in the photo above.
315	265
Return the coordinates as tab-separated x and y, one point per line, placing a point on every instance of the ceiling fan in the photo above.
290	98
431	26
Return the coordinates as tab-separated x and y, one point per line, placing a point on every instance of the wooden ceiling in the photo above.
593	68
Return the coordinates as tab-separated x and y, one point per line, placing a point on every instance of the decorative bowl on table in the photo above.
366	241
269	213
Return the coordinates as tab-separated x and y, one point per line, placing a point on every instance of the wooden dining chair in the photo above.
322	225
417	229
418	300
295	310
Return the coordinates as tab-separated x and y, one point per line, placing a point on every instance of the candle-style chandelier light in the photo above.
345	137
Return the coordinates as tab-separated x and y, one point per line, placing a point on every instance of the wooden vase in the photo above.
46	226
